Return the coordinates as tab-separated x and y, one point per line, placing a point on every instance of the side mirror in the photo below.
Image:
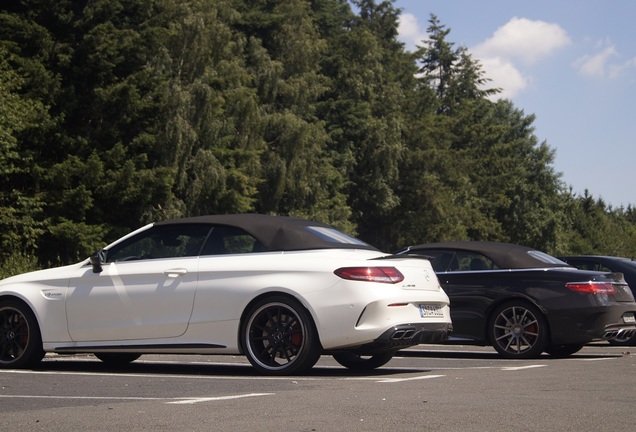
97	259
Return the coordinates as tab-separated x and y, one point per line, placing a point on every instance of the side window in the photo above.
589	265
169	241
442	261
452	261
471	261
229	240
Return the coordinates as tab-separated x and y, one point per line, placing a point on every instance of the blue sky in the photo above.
571	63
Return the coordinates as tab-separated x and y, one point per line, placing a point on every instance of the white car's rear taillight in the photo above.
389	275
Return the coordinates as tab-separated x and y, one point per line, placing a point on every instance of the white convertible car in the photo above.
280	290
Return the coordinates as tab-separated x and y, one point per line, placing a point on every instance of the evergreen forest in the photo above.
116	113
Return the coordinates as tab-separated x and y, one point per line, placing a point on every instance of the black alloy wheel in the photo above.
361	363
117	359
279	337
518	330
20	340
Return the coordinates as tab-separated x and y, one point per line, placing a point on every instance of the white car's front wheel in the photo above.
20	340
279	337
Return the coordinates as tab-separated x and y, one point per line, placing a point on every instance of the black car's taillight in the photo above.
389	275
591	287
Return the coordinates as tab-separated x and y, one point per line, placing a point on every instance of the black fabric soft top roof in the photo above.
504	255
276	233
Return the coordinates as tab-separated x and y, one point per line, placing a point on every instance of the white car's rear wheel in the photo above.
279	337
20	340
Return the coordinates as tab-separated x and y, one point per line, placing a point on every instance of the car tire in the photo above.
117	359
561	351
518	330
358	362
20	338
279	337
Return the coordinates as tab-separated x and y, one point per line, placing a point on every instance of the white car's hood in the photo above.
44	275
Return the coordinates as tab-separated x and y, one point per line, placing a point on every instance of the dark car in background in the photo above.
525	302
602	263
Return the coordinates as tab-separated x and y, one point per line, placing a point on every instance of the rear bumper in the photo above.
592	324
404	336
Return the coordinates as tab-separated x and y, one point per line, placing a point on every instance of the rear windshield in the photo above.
548	259
334	236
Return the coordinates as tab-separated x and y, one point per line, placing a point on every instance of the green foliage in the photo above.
115	113
596	229
20	210
17	263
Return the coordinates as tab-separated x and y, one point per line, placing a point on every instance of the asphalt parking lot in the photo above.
429	387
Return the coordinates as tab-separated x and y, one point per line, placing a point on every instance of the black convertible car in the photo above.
602	263
525	302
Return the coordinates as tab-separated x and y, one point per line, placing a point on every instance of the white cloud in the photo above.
595	65
506	54
614	71
600	64
524	39
410	32
519	40
504	75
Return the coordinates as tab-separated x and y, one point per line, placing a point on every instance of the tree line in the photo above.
115	113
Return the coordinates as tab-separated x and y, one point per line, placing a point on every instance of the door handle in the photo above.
175	273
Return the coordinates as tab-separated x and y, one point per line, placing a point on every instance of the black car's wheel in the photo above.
20	339
563	350
630	341
279	337
363	363
518	330
117	359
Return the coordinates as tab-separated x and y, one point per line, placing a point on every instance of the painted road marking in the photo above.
147	375
396	380
521	367
189	400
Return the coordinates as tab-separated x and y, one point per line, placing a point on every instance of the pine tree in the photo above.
20	208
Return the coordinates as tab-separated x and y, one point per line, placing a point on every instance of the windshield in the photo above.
334	236
548	259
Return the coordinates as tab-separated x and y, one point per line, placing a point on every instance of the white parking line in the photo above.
396	380
115	398
158	375
189	400
516	368
594	359
219	398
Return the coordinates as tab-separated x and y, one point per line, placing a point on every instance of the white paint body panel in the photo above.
200	300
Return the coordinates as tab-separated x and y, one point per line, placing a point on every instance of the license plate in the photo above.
431	311
629	318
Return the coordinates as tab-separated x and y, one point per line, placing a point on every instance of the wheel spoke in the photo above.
20	340
526	341
5	350
14	336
